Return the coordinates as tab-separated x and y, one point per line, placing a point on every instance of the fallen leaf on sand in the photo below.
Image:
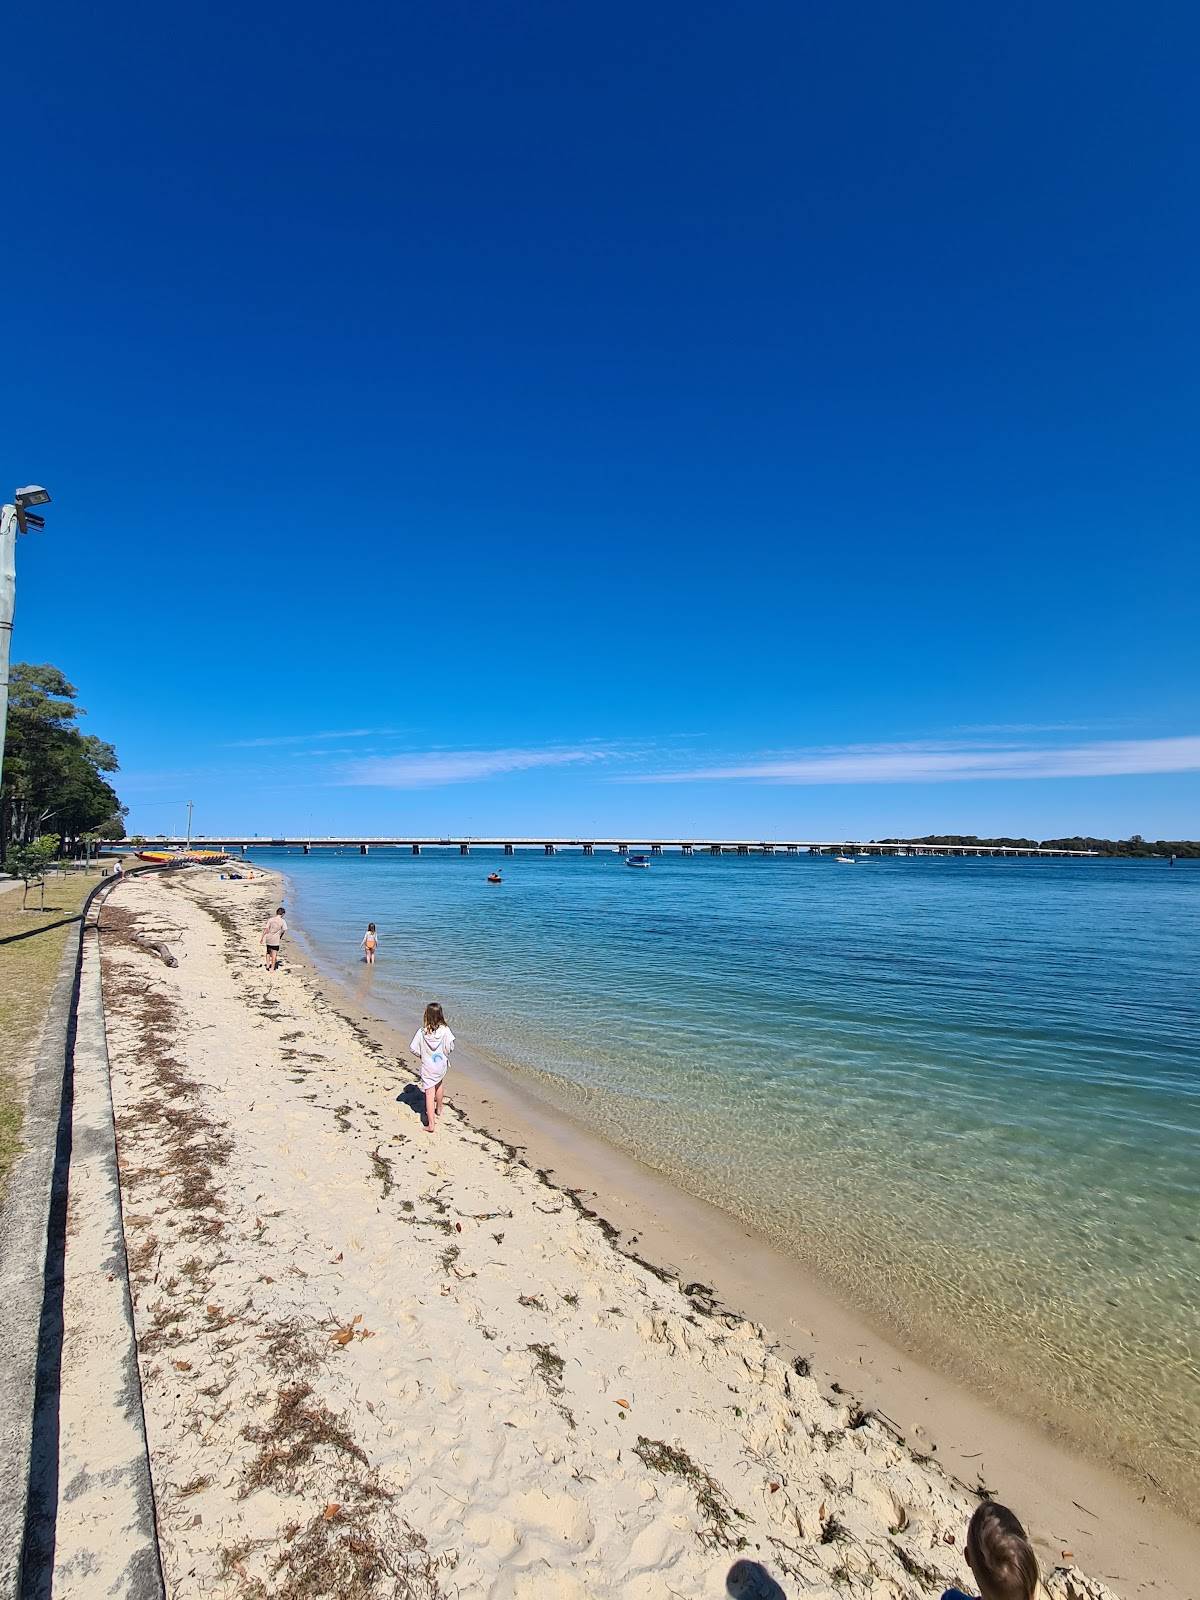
343	1336
458	1227
774	1488
331	1510
947	1538
182	1366
213	1311
624	1403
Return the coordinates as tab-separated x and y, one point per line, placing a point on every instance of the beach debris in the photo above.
624	1403
343	1335
550	1365
381	1167
916	1568
833	1531
719	1516
331	1511
300	1426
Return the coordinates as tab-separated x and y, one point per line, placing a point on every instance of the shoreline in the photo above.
1071	1502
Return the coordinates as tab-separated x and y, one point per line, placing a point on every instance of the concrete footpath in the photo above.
76	1503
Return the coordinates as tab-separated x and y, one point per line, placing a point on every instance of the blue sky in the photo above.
775	419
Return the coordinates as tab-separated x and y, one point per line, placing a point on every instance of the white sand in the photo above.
483	1369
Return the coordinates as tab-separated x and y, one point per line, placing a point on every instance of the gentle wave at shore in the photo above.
965	1092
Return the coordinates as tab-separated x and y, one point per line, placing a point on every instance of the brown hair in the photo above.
434	1017
1000	1555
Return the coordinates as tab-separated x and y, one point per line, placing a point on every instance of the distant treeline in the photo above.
1135	846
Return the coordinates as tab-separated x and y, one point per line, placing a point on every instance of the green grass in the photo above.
28	968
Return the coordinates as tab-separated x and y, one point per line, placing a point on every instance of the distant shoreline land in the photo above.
1134	846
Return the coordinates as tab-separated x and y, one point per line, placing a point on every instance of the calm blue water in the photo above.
966	1092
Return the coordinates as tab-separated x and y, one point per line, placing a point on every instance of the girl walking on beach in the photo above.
432	1044
369	942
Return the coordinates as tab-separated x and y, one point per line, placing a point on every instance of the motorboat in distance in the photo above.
494	877
637	861
845	861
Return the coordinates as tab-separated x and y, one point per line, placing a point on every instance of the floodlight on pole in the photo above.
14	518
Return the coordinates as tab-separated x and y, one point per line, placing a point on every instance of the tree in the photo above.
29	862
53	773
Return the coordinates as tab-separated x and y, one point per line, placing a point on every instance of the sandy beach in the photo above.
493	1361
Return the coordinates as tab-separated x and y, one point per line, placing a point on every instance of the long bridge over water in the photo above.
697	845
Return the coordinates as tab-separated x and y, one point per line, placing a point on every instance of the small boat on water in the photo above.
845	861
494	877
637	861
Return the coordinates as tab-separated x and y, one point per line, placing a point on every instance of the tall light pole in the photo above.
14	519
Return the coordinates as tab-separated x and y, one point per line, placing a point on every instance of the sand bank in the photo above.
368	1352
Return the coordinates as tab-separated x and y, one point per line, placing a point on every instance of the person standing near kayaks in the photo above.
432	1044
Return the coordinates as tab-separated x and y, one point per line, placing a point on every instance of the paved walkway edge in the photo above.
24	1223
98	1470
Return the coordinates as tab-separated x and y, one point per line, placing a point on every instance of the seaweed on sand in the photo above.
356	1551
550	1364
300	1427
718	1514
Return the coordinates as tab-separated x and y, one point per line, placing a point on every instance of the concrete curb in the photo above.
24	1223
61	1312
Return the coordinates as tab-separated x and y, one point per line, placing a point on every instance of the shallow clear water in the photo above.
966	1092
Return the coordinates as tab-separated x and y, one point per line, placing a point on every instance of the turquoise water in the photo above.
967	1093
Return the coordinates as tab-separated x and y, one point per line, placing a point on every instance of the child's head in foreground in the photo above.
434	1017
1000	1555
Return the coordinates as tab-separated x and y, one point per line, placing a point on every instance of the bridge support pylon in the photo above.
363	849
308	849
685	849
589	849
549	849
508	850
714	849
464	849
416	849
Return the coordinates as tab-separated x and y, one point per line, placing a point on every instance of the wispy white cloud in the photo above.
1026	727
307	738
426	769
948	762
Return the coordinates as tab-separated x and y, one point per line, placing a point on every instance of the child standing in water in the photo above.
432	1044
369	942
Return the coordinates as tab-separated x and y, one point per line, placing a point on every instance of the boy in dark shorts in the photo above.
272	937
